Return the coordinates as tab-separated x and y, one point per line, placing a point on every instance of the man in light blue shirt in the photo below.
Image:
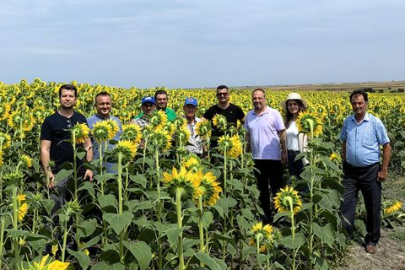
103	104
361	136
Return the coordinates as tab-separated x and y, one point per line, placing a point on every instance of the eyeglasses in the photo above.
222	94
69	123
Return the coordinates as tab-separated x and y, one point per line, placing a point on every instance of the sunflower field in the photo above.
164	208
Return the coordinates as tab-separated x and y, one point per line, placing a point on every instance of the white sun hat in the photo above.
293	96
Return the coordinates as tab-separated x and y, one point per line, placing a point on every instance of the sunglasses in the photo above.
222	94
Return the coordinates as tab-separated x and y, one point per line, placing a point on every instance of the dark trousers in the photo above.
295	167
270	172
364	179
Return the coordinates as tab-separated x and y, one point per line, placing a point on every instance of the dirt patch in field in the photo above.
391	248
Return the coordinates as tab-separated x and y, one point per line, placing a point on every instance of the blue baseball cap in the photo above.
190	101
148	100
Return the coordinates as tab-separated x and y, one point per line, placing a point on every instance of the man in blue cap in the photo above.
148	106
194	142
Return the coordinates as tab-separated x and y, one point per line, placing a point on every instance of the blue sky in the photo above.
180	44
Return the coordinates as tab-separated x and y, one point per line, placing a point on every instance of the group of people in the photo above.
274	140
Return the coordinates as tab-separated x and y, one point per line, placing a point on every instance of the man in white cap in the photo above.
194	142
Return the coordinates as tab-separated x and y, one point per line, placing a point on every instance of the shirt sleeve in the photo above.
279	121
241	114
209	114
46	131
382	135
343	134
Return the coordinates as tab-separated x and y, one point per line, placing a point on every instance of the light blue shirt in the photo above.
93	120
363	140
263	130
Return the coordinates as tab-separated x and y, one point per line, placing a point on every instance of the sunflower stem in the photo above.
179	192
15	226
2	228
201	227
65	234
120	211
159	206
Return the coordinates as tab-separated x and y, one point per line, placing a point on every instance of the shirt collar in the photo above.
264	112
366	118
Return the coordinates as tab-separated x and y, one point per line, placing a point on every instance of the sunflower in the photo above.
131	132
231	145
182	135
4	110
21	197
169	128
393	207
263	235
1	157
179	123
39	114
192	162
307	122
335	157
22	211
209	188
26	161
157	120
186	180
101	131
114	128
203	129
45	264
16	119
160	139
81	132
5	140
219	121
127	149
286	199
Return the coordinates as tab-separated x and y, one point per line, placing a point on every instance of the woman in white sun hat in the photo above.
296	142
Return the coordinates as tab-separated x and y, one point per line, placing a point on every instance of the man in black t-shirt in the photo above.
232	112
56	144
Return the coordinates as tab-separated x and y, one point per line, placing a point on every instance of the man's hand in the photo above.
50	180
382	175
283	157
88	175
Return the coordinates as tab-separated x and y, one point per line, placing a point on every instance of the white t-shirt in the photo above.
292	137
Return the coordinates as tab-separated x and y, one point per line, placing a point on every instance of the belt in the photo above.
350	166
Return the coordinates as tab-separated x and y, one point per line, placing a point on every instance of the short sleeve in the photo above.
46	130
209	114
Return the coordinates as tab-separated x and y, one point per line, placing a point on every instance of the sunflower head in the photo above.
187	181
219	121
209	188
203	129
131	132
309	124
232	146
26	161
160	139
287	200
101	131
73	207
157	120
192	162
80	132
114	128
22	211
392	207
335	157
179	123
182	135
126	149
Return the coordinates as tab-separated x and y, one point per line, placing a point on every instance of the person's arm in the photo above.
247	139
89	157
383	173
283	138
45	158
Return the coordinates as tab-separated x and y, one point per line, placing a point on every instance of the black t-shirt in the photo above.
55	129
232	113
